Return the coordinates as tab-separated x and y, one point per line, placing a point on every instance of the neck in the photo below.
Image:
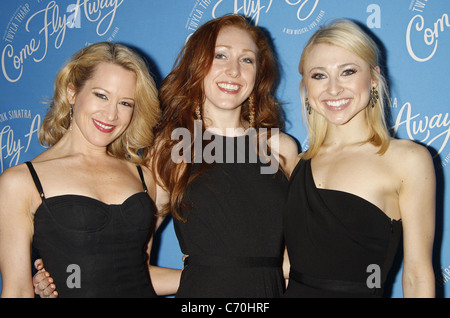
226	123
74	144
355	131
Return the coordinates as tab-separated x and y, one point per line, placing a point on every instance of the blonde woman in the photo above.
354	190
86	204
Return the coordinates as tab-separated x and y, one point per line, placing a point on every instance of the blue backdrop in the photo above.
37	36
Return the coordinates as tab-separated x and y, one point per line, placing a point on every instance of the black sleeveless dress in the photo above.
92	249
233	232
339	244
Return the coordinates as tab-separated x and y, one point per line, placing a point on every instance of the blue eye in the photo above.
318	76
248	60
349	72
126	104
99	95
219	56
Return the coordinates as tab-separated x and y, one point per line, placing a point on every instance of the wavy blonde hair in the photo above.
80	68
348	35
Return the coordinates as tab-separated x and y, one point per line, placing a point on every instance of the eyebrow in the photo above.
339	66
108	92
229	47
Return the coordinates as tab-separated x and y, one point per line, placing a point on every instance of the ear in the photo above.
302	86
375	79
71	93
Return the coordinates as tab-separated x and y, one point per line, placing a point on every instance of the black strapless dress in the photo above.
339	244
92	249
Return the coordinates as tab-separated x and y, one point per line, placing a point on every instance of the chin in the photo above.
338	122
102	143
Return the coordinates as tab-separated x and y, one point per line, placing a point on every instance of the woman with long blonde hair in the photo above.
87	203
355	192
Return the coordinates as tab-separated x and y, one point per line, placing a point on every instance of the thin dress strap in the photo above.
36	180
141	174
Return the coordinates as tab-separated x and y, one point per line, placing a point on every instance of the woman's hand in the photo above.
43	282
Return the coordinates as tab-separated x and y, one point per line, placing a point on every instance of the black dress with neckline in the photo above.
92	249
233	232
337	242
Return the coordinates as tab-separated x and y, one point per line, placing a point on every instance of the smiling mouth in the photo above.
337	103
103	127
229	88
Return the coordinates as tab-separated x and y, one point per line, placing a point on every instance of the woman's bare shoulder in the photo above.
409	156
15	175
288	149
288	145
405	150
17	187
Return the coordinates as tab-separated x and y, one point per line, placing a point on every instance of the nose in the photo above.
233	69
112	111
334	86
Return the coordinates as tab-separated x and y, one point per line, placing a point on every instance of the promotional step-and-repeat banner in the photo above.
37	36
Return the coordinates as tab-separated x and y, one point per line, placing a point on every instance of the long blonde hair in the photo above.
77	71
350	36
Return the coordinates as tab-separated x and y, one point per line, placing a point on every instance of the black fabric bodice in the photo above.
335	240
93	249
233	229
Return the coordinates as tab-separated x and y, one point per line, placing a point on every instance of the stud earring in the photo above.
374	96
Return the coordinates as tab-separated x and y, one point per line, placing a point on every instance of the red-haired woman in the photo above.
227	209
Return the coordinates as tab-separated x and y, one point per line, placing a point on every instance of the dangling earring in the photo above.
307	106
127	151
125	143
71	116
374	96
197	112
251	112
